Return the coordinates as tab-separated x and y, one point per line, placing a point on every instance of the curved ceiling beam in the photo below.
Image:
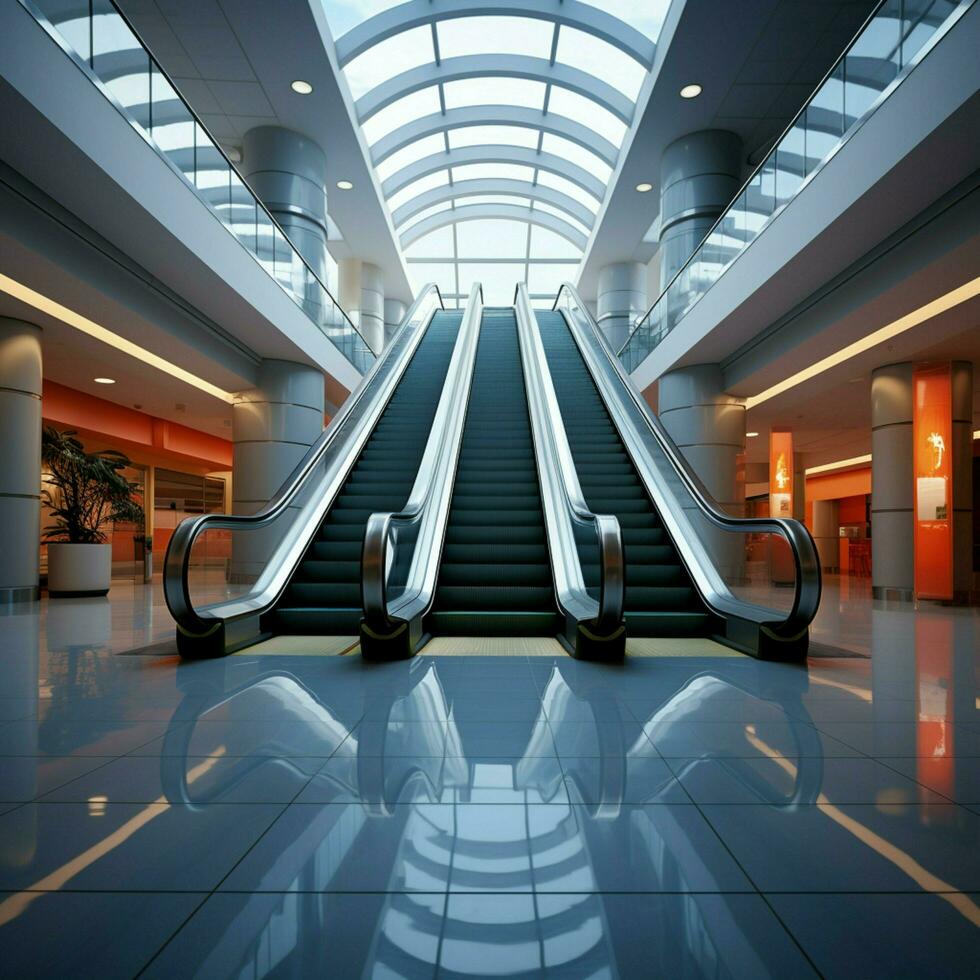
521	155
494	115
516	212
417	13
469	188
495	66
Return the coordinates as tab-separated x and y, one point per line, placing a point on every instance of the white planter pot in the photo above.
79	569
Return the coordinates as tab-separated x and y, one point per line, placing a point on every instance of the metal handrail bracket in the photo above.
594	628
679	493
412	538
222	627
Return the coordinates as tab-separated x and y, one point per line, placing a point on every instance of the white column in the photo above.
273	425
893	558
708	426
20	452
372	306
620	299
288	172
395	311
698	179
826	533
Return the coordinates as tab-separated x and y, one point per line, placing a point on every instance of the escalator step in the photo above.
324	595
495	577
660	597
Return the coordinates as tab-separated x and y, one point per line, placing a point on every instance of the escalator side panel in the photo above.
660	598
324	594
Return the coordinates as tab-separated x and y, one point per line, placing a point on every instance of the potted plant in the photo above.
85	491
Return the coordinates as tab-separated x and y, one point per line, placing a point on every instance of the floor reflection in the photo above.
486	816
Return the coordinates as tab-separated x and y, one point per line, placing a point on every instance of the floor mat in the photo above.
677	646
303	646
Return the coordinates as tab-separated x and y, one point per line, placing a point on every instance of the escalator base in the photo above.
668	623
460	623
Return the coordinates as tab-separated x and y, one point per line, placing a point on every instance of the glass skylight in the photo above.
435	243
522	92
388	58
493	136
589	113
407	155
439	179
492	235
494	35
568	187
421	103
491	238
600	58
493	171
579	155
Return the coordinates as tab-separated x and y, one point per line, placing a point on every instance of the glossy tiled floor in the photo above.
486	816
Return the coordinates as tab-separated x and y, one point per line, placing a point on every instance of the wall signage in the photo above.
932	435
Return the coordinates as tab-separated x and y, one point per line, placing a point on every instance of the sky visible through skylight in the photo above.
494	137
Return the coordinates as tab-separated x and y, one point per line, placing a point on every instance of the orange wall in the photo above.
833	486
144	438
852	510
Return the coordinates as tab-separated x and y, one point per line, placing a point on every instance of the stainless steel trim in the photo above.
562	499
422	521
336	450
681	490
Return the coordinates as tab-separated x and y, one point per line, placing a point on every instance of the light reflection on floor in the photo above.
507	816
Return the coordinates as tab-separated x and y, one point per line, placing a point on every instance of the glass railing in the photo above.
889	45
100	40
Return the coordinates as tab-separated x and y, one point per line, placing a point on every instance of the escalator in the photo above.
495	577
660	598
324	594
295	566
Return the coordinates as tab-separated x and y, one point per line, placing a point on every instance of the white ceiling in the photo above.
758	63
234	61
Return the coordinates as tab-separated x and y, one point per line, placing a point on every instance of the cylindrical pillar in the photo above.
395	311
273	425
698	179
372	323
826	533
892	564
20	450
962	385
621	298
288	172
708	426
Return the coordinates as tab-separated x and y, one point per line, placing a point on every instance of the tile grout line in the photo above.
245	853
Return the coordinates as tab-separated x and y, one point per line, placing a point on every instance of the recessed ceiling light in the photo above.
300	87
751	435
345	185
644	187
690	91
104	381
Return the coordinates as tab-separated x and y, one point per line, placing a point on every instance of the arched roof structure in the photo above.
494	112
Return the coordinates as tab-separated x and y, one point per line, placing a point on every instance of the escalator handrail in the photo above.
806	598
559	479
177	561
428	503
